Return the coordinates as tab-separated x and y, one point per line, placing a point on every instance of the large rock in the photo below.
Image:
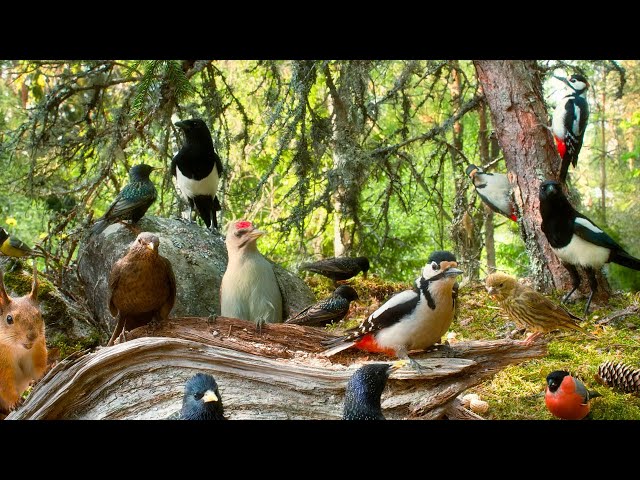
199	260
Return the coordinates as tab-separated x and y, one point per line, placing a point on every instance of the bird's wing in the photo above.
320	313
300	316
589	231
20	245
582	391
335	265
454	297
389	313
576	117
540	306
114	278
172	282
122	205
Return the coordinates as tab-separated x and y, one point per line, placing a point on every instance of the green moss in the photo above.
65	347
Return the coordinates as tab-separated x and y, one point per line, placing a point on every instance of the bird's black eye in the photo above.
198	395
572	80
238	233
435	266
501	285
9	319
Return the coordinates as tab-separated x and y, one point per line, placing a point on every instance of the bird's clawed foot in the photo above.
259	323
122	337
532	338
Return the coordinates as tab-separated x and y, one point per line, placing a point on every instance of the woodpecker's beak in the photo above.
253	234
150	246
562	79
209	396
397	365
452	272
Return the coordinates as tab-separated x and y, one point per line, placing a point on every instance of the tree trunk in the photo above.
513	90
603	156
275	374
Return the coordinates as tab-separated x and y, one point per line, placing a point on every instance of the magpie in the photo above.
576	240
197	169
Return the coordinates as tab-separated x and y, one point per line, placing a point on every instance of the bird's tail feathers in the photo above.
98	227
593	394
626	260
338	348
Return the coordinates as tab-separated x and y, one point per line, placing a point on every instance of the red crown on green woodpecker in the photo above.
243	224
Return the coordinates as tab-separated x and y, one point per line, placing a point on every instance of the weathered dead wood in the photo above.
275	374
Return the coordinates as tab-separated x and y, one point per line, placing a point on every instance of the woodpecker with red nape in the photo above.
197	169
576	240
249	288
410	320
495	191
566	397
570	121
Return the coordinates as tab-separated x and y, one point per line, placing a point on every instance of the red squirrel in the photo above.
23	351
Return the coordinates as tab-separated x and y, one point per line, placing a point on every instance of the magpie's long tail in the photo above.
624	259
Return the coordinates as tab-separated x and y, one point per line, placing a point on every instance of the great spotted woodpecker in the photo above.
576	240
570	121
410	320
495	190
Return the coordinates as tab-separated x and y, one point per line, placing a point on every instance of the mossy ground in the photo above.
517	392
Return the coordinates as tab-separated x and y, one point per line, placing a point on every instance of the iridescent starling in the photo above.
339	268
132	202
364	389
332	309
202	400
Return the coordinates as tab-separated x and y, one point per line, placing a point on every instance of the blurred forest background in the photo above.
363	157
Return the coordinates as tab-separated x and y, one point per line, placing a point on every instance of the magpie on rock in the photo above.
197	169
576	240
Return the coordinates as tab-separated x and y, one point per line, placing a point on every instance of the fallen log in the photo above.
275	373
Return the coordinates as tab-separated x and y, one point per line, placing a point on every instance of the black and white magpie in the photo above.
410	320
495	190
570	121
197	169
576	240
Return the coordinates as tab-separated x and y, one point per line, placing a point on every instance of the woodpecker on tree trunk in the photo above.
570	121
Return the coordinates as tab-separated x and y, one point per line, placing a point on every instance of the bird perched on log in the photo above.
202	400
570	121
249	288
576	240
197	169
332	309
414	319
566	397
362	397
339	268
12	247
529	308
495	191
132	202
142	286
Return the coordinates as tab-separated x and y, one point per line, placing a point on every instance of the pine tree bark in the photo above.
513	91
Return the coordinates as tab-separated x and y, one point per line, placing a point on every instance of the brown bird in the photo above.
142	285
529	308
249	288
339	268
332	309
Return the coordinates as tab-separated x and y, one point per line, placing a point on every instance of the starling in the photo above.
142	286
197	169
339	268
12	247
414	319
332	309
132	202
529	308
566	397
362	397
202	400
249	288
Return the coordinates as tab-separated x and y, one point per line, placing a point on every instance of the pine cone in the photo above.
620	376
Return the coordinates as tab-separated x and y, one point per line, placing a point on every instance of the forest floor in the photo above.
517	392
